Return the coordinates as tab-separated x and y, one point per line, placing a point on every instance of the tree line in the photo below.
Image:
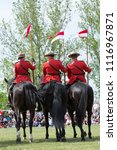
47	18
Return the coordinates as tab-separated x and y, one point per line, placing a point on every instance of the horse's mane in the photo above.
11	81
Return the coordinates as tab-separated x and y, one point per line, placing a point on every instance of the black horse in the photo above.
54	97
80	100
23	98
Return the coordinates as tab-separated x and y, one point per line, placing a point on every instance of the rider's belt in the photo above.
78	74
52	74
24	74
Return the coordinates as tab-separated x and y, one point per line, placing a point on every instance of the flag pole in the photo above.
87	57
84	34
63	49
32	54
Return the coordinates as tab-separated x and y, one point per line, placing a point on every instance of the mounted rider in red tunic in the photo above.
21	73
21	69
76	69
52	68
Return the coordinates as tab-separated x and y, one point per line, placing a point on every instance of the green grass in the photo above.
8	137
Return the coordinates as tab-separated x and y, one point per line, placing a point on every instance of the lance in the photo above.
87	57
32	54
63	49
84	34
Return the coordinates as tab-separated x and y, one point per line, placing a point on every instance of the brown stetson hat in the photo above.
73	53
50	53
21	55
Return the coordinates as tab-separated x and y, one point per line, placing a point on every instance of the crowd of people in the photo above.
7	118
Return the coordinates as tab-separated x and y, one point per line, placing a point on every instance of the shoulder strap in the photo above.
23	67
53	67
79	69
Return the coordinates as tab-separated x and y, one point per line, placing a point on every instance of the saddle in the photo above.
46	89
68	85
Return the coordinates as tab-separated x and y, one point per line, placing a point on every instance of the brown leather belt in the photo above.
52	74
78	74
23	74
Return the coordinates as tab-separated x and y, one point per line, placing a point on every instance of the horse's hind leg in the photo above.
82	133
58	135
89	124
73	122
18	121
89	108
46	125
24	124
80	125
63	139
30	125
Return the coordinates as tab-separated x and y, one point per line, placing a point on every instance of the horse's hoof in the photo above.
63	139
31	140
75	135
83	139
90	137
24	138
85	134
18	140
57	140
46	137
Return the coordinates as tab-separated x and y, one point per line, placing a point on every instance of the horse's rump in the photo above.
24	96
54	97
78	98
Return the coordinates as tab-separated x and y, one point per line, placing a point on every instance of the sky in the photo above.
6	13
6	9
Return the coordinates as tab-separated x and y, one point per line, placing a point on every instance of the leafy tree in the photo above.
3	100
90	19
44	24
59	13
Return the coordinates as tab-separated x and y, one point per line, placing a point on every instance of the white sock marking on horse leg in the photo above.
36	105
18	134
31	137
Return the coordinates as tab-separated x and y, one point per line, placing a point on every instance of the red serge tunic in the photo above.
76	70
21	71
51	70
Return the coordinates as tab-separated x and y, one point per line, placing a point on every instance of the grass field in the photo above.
8	137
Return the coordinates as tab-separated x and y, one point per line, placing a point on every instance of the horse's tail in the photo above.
90	99
30	93
82	104
59	105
